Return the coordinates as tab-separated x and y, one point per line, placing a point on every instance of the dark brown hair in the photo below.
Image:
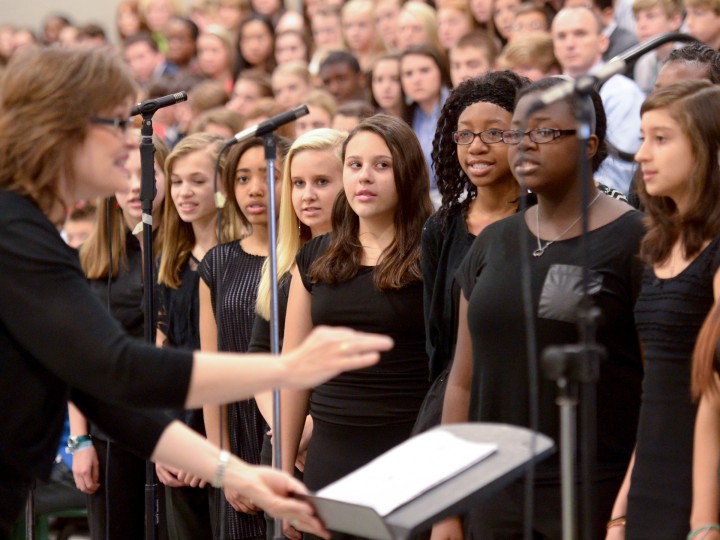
689	103
229	173
399	264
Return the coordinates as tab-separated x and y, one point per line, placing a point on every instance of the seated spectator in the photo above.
386	13
216	55
326	29
703	21
23	37
322	109
530	18
291	46
531	56
417	25
473	55
145	60
68	36
127	19
156	14
359	35
579	44
654	18
219	120
93	35
182	35
250	86
77	228
291	84
694	61
350	114
271	10
231	13
454	21
291	20
425	80
267	108
340	74
619	39
256	42
504	17
384	89
52	26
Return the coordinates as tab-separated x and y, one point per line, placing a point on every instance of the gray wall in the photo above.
30	13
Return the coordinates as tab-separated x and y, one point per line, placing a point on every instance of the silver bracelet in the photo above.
223	461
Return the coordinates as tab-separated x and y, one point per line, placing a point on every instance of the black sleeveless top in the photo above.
669	314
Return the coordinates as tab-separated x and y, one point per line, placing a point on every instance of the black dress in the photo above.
360	414
188	511
444	247
490	278
239	275
117	509
669	314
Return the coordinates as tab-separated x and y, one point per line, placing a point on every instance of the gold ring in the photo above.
344	347
295	523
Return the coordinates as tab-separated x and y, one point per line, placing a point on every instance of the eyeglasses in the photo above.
537	135
489	136
122	123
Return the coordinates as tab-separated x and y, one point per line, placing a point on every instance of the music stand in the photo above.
517	447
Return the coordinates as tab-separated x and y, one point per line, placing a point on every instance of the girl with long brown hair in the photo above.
680	190
364	274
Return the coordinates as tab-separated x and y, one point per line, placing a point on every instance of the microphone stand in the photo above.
270	147
30	514
147	195
576	366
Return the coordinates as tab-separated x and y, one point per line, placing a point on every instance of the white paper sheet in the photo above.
406	471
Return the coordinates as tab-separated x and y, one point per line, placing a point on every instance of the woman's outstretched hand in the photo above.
327	352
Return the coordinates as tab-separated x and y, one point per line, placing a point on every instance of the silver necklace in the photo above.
541	249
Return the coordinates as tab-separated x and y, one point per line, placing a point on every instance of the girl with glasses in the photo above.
477	188
489	379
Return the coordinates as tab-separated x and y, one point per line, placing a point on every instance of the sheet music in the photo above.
408	470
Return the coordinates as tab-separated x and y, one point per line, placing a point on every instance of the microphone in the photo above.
149	106
269	125
597	77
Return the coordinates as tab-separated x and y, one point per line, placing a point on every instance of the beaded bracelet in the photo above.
705	528
616	522
223	460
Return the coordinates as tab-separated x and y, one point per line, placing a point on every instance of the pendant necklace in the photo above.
541	249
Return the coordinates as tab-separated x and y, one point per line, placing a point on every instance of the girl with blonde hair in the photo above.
113	252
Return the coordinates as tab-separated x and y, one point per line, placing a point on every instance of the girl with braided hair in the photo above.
477	188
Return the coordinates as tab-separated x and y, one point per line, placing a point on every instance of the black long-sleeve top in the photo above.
58	342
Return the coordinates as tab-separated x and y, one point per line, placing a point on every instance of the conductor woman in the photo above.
63	138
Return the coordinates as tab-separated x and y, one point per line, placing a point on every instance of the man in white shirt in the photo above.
579	44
